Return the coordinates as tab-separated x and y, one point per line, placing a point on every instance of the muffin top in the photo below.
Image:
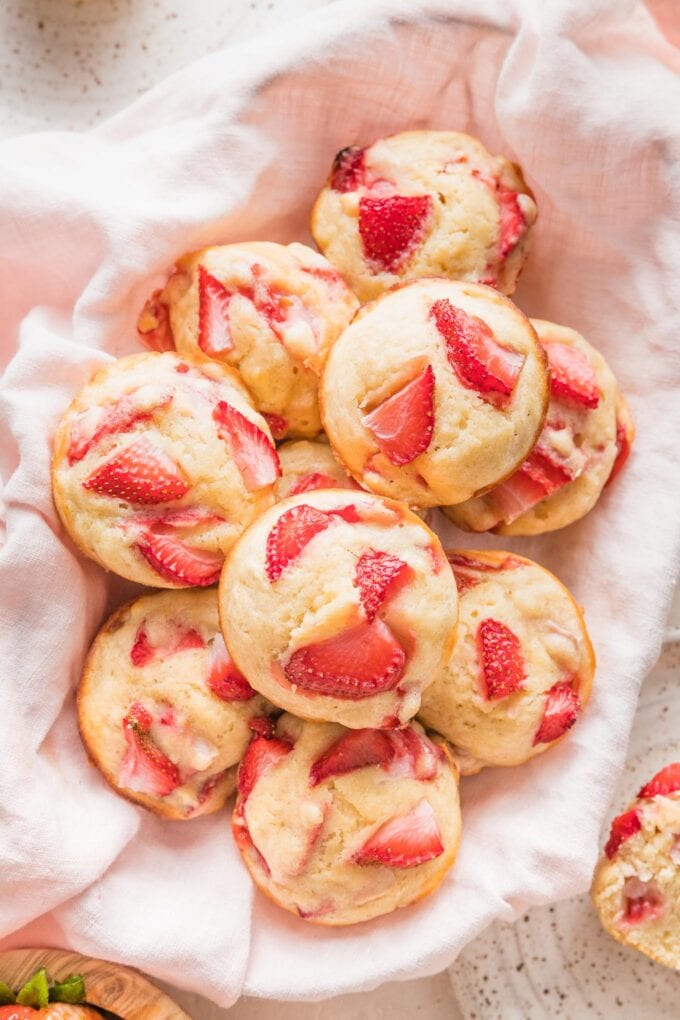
340	826
424	203
271	311
158	466
162	709
340	606
522	667
435	392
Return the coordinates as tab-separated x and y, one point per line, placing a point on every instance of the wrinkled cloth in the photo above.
585	95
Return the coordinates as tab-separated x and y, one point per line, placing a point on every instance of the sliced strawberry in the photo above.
214	328
467	570
15	1012
145	769
414	755
572	377
153	324
292	532
178	518
278	426
224	679
403	424
379	577
262	725
208	788
262	754
139	473
357	663
625	433
251	448
623	827
391	228
665	782
562	707
179	639
513	224
642	902
314	480
541	474
178	562
404	841
90	427
500	654
355	749
347	173
479	361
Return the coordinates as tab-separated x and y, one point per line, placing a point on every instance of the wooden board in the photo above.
109	985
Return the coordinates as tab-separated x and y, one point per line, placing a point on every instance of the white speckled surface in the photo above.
67	64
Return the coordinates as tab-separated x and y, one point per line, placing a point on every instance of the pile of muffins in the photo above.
348	669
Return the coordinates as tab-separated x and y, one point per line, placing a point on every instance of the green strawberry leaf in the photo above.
71	989
36	991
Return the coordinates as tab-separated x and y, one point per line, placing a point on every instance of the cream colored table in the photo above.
67	64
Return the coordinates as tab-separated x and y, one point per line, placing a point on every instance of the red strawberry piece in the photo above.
15	1012
347	173
139	473
178	562
572	377
357	663
562	706
251	448
403	424
314	480
145	769
292	532
214	329
405	840
278	426
262	725
208	788
90	428
541	474
467	570
391	228
415	756
479	361
153	324
502	664
513	224
262	754
623	827
355	749
177	518
224	679
180	639
625	433
665	782
642	902
379	577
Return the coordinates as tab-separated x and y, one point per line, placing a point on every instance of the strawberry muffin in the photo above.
162	710
585	441
308	464
522	668
158	466
424	203
636	887
436	392
269	310
340	826
339	606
